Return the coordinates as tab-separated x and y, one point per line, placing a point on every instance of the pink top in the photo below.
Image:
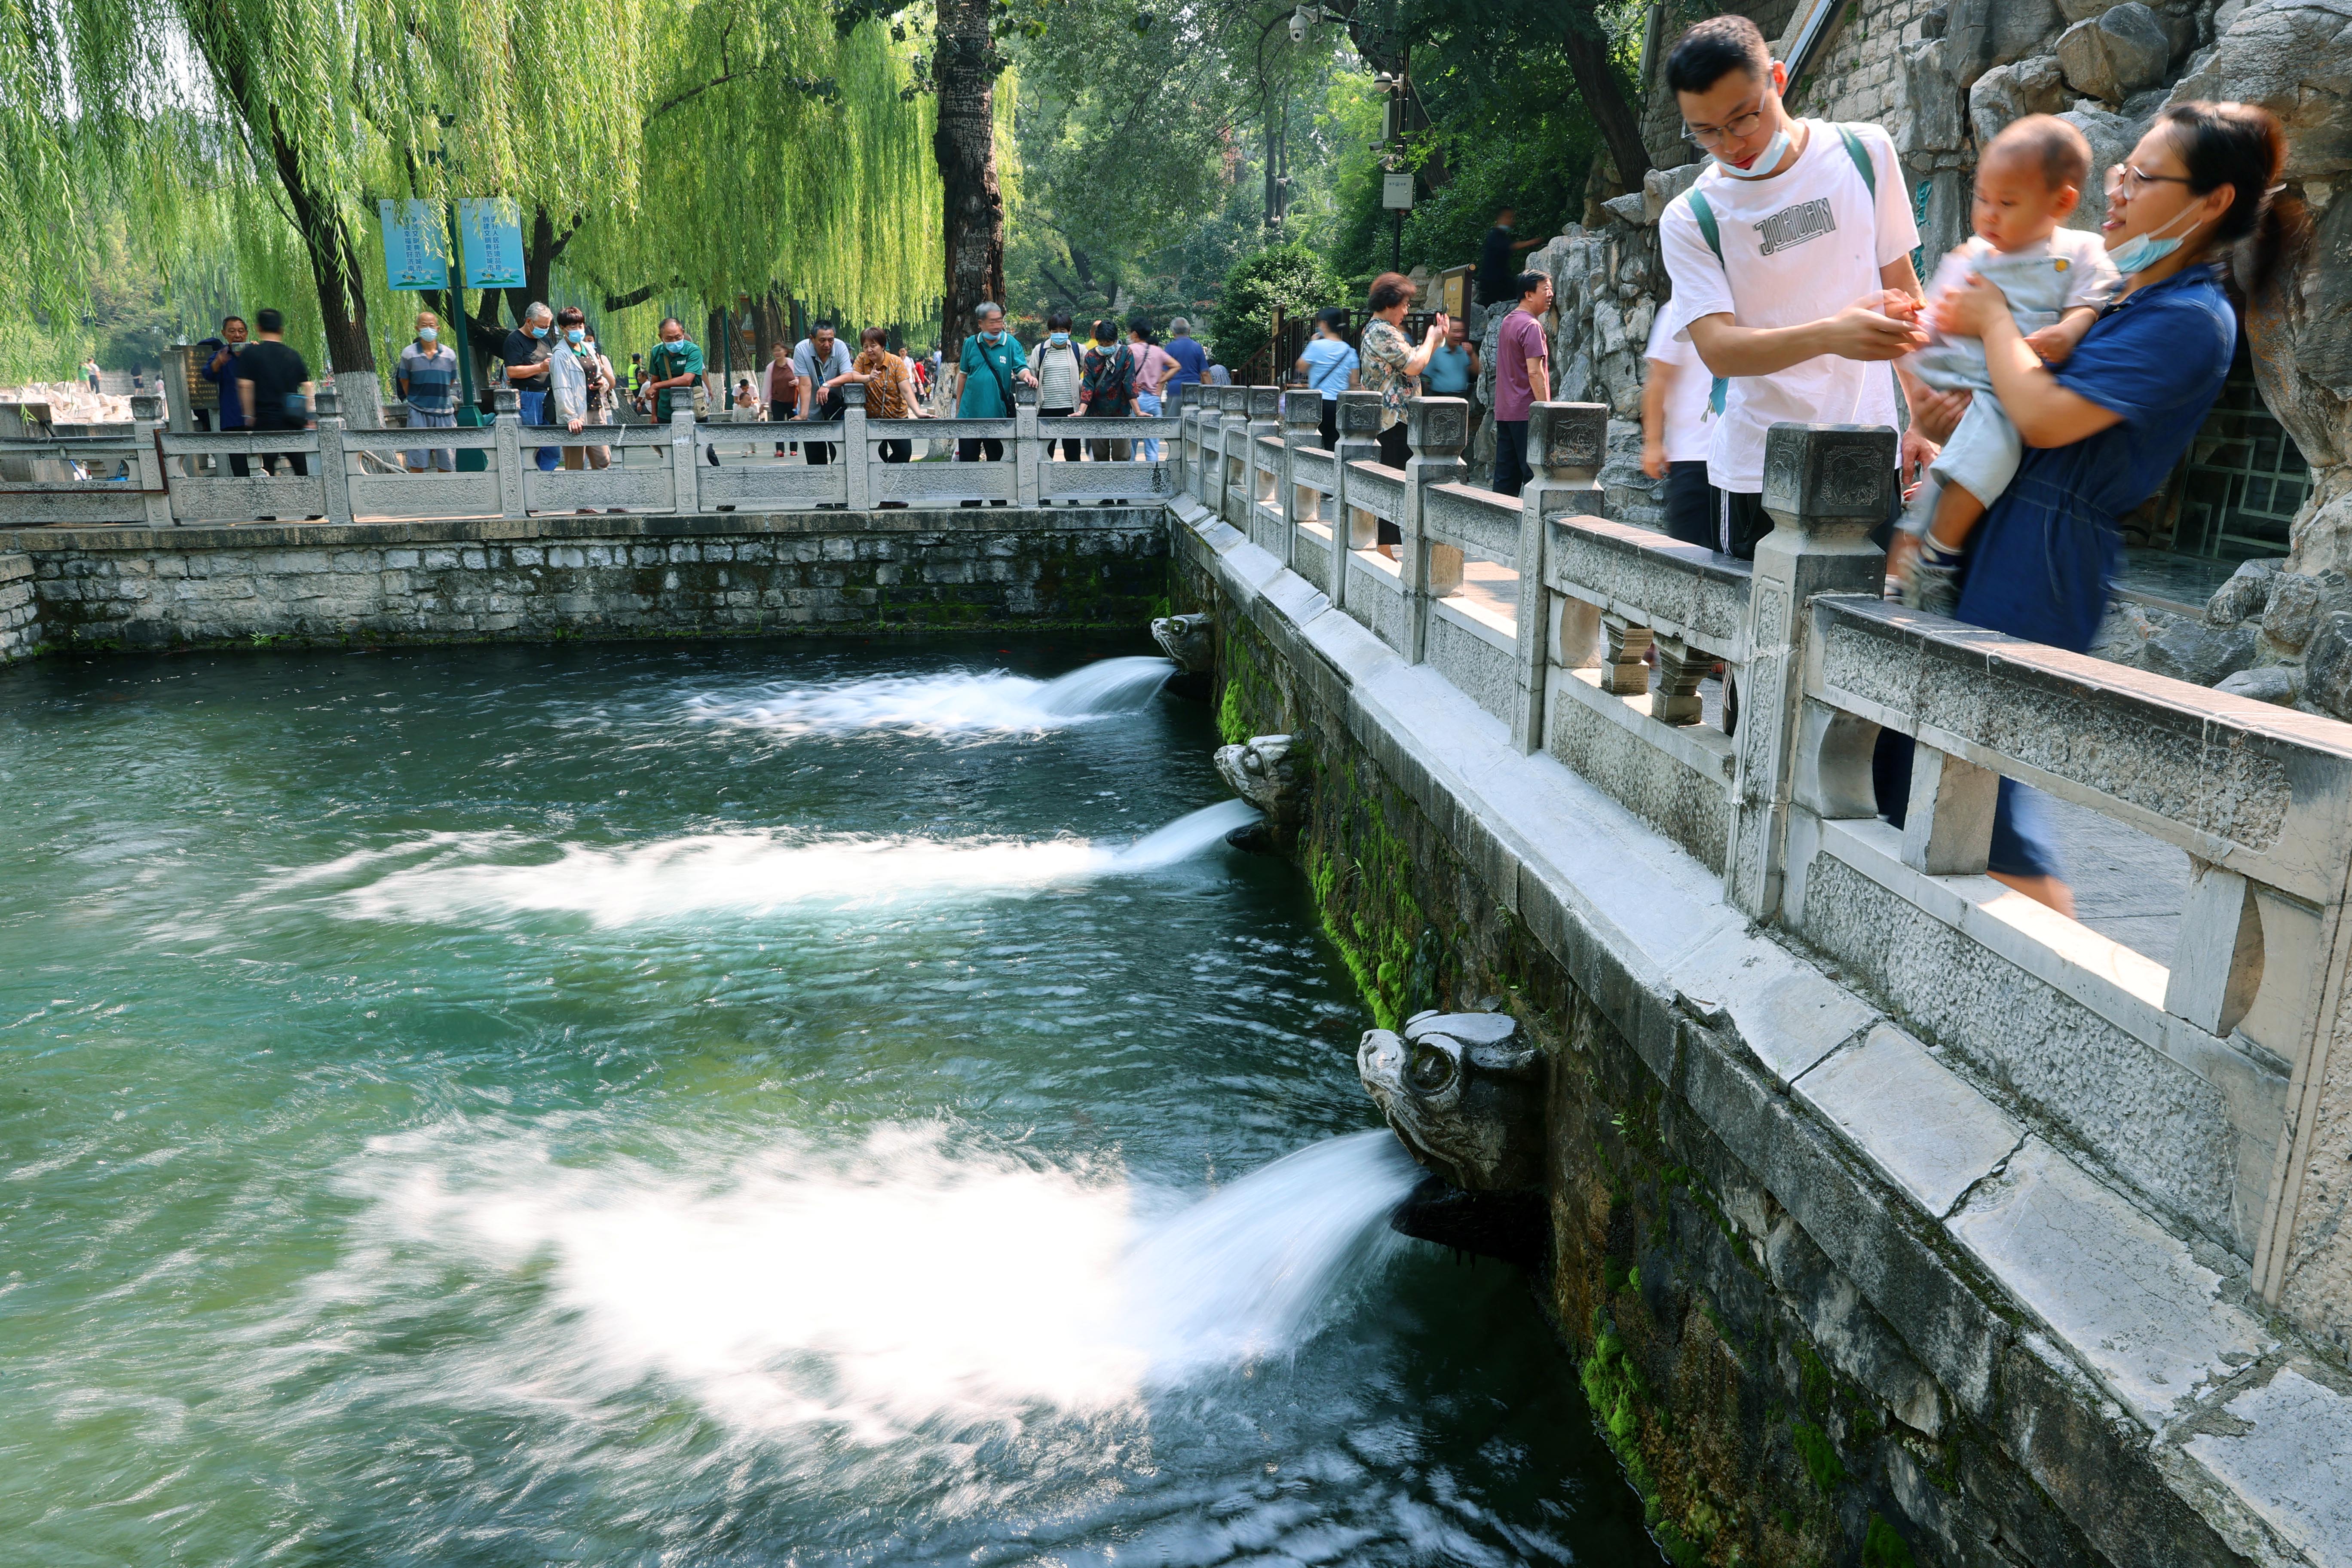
1153	367
1521	340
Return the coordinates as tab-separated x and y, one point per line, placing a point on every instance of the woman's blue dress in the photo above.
2039	564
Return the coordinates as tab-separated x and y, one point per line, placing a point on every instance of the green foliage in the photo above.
1819	1455
1882	1547
1294	279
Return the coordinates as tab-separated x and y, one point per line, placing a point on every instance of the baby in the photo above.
2055	279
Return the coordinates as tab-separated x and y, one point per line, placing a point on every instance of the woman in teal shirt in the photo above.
991	365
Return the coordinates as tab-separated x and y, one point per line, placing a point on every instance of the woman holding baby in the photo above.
2103	423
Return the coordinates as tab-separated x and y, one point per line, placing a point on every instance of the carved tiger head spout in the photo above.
1464	1094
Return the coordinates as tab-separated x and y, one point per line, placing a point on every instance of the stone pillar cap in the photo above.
1437	426
1568	435
1837	476
504	400
1359	414
1302	408
1265	401
853	393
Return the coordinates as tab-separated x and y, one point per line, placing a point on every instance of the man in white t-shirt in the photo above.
1791	257
1675	432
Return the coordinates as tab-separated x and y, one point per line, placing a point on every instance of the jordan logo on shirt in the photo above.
1793	225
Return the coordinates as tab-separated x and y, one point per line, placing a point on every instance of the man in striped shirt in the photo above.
426	380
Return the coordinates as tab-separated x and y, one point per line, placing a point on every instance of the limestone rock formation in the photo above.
2010	92
2294	58
2117	53
1464	1092
1190	641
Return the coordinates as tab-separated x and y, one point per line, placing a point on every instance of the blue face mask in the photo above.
1061	340
427	334
538	331
574	335
2142	251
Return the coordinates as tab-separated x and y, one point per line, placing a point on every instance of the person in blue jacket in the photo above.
219	367
2104	427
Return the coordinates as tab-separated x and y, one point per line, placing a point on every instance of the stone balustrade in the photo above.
2201	1087
153	477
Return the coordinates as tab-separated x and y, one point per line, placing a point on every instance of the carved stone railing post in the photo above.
686	474
1567	442
1302	425
147	466
334	476
1028	452
1232	488
506	420
857	451
1359	442
1437	429
1260	488
1825	487
1626	671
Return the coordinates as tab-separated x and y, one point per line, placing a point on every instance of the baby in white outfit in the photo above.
2055	280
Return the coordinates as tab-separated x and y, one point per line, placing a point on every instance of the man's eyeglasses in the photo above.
1739	127
2123	177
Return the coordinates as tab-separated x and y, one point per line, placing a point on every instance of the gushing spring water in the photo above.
903	1283
441	877
955	703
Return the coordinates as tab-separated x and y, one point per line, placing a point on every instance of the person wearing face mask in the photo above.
426	380
528	350
2104	428
569	372
1053	363
1791	257
603	390
986	372
675	371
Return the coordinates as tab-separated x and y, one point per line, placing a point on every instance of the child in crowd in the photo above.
2027	182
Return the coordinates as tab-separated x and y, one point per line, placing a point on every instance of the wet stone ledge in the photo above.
609	575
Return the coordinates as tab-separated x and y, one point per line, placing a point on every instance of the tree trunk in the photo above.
1604	97
965	148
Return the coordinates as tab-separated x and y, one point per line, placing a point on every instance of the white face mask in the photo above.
1766	161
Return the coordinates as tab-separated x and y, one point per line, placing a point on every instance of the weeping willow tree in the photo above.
656	146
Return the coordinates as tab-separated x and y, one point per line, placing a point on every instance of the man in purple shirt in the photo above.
1522	379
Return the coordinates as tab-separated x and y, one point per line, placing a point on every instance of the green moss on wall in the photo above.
1822	1466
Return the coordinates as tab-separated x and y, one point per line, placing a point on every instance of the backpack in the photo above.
1712	233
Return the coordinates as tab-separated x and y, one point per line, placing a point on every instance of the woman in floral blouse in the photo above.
1391	367
889	393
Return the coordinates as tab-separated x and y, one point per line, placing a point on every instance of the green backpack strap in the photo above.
1709	232
1861	156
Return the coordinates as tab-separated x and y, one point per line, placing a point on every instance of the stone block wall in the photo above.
608	576
20	615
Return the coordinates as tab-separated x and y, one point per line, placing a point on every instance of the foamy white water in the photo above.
877	1289
454	876
957	703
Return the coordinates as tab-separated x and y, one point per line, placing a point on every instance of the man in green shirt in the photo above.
676	364
991	365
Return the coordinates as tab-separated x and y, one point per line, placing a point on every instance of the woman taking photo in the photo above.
1391	366
2103	427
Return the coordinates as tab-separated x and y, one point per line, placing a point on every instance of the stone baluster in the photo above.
333	472
685	472
1681	668
1825	487
857	451
506	420
1566	445
1625	672
147	466
1302	424
1028	452
1437	429
1359	442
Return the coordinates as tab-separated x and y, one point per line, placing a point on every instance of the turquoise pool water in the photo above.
749	1104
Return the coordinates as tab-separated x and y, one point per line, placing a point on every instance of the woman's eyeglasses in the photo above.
2130	182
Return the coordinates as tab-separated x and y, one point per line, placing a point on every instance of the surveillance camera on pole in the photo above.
1298	20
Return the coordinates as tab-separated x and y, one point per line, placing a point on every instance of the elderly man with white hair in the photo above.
528	349
991	364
